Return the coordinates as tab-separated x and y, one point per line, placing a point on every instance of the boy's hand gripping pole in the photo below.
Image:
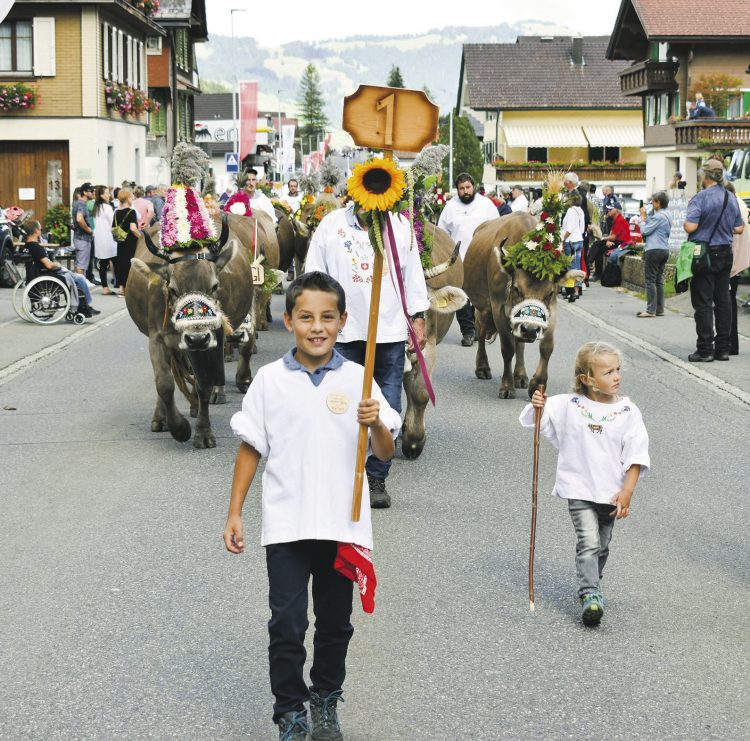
534	491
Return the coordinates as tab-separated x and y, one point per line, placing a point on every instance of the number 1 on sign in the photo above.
388	103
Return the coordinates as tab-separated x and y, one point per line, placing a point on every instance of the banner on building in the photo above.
248	118
287	147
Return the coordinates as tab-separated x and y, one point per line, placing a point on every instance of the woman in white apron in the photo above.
105	247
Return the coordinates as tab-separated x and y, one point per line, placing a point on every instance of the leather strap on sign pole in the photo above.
372	336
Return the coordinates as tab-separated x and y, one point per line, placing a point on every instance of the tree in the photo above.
467	151
428	93
716	89
311	105
214	86
394	77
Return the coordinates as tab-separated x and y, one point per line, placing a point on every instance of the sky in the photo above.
307	21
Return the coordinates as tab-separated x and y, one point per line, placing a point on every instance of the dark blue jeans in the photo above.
389	375
709	293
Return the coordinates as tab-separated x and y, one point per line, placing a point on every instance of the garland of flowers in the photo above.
321	210
147	7
306	200
239	203
128	100
283	205
540	251
18	97
185	223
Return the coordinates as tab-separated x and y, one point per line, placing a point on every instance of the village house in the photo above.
552	102
671	46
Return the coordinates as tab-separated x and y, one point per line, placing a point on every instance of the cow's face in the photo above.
191	288
529	305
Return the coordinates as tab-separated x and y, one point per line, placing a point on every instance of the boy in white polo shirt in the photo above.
304	408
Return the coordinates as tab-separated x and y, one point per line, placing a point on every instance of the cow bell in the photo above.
529	320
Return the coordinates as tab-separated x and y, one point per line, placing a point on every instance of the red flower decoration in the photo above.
550	227
544	215
548	246
557	253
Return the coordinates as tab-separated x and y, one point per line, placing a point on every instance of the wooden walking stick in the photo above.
534	492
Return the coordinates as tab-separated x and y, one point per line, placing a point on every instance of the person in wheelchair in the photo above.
43	264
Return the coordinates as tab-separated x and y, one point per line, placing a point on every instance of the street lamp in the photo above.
235	147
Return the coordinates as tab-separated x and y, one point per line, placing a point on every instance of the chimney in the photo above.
576	50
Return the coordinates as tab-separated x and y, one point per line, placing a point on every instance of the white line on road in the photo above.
706	379
24	363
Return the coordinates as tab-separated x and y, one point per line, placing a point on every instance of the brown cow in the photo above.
512	303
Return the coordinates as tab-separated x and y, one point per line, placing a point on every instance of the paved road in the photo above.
124	618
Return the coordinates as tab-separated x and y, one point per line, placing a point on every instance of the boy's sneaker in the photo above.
293	726
379	497
325	723
593	608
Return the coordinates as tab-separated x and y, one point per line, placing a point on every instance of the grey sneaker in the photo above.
593	608
379	497
293	726
325	723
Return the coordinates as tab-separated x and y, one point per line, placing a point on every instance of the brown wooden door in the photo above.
32	164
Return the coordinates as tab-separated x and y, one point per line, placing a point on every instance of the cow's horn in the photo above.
223	236
436	270
501	247
153	249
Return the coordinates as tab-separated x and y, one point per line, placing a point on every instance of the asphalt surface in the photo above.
123	617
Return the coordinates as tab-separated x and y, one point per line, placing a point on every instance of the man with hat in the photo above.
83	228
713	218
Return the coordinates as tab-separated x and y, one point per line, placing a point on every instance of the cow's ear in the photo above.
225	256
153	273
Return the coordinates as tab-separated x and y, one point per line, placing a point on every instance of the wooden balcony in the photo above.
705	133
535	173
649	76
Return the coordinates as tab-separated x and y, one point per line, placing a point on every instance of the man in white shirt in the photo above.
258	199
460	218
292	195
341	248
520	201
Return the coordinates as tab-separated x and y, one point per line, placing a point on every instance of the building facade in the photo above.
552	102
672	47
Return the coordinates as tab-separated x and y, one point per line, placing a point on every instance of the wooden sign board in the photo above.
258	273
391	118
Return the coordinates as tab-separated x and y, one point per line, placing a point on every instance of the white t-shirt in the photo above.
293	201
461	219
105	246
309	435
520	204
261	201
597	442
574	224
342	249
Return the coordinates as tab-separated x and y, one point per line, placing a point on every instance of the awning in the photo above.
564	135
603	135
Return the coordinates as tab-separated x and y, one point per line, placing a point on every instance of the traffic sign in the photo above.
391	118
232	161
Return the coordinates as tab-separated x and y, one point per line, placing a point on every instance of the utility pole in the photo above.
235	144
279	149
450	156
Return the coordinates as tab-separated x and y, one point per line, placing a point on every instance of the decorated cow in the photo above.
512	272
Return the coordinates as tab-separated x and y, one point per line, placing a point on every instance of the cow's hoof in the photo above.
181	431
218	397
483	373
521	382
204	440
243	384
159	425
507	393
412	449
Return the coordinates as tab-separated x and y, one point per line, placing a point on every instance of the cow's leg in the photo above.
219	395
414	434
159	420
178	426
520	377
482	368
204	436
244	375
546	346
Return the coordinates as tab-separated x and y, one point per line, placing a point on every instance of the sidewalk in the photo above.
20	339
673	333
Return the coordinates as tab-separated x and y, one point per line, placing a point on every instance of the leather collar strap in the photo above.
193	256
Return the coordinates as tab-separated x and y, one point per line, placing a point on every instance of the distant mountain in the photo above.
431	59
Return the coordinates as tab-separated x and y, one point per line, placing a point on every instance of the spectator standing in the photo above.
126	218
520	201
157	201
460	218
292	195
655	229
713	218
341	248
572	182
105	246
143	207
740	262
83	228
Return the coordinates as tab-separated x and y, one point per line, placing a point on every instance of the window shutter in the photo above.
44	47
120	61
105	51
141	67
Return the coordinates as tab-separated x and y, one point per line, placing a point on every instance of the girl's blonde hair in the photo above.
585	361
125	194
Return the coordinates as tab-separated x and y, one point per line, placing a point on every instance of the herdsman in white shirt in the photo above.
292	195
258	199
460	218
341	248
520	201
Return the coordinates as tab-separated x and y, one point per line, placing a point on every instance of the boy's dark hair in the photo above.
315	281
464	177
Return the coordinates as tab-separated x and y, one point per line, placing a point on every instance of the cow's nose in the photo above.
198	340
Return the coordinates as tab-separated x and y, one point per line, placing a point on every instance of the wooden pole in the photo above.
534	492
372	336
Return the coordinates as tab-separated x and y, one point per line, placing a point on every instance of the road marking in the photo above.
704	377
24	363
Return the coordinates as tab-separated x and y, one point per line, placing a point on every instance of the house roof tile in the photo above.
538	72
693	18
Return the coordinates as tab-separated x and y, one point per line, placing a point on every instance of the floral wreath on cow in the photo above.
540	251
239	203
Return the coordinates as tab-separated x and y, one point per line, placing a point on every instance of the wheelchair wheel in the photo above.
46	300
18	300
79	319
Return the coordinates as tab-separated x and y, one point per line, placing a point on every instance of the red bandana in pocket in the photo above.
355	563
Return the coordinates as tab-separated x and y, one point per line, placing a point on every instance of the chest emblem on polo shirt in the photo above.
337	403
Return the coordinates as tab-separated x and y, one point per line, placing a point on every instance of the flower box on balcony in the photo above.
17	97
